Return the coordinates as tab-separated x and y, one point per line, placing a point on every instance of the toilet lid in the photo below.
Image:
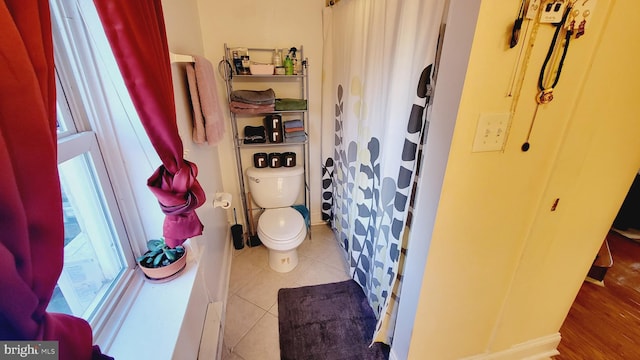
281	223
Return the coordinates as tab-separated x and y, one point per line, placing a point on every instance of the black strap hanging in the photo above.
546	93
517	25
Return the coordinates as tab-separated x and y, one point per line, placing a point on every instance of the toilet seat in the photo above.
281	229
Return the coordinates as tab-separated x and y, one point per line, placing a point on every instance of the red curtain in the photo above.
32	230
136	32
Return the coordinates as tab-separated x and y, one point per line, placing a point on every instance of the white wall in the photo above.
206	278
267	24
184	37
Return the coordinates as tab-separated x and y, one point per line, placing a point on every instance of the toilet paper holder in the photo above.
222	200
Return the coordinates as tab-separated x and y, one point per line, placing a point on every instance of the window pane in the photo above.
93	260
64	120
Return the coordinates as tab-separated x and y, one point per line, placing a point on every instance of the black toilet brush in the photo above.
237	233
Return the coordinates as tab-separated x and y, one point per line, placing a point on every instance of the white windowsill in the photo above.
168	320
151	326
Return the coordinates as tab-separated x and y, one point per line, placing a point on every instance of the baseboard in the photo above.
221	306
392	355
318	223
536	349
211	341
316	218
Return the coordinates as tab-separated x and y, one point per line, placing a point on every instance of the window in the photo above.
104	156
94	259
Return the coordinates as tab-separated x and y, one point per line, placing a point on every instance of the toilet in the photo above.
281	228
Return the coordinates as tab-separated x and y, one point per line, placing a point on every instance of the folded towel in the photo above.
254	134
262	97
244	105
294	134
290	130
296	139
207	113
254	140
241	108
293	124
305	213
290	104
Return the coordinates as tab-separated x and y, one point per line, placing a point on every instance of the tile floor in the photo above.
251	325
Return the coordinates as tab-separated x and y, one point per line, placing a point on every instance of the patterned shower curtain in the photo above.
376	69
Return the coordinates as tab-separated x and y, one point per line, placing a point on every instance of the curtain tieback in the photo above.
177	193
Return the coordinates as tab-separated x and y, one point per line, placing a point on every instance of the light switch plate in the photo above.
491	133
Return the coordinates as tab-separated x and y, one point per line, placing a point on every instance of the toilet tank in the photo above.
275	187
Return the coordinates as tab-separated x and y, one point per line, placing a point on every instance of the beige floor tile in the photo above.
293	275
262	342
239	252
322	232
241	316
333	254
339	263
274	310
242	270
251	329
258	256
327	249
320	260
316	248
228	355
320	273
262	290
232	356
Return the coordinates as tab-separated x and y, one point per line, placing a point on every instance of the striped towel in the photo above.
295	139
294	134
293	124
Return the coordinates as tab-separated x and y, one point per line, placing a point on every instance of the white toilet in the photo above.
281	228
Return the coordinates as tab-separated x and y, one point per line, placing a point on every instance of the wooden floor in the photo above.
604	322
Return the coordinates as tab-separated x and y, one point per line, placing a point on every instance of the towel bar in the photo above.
180	58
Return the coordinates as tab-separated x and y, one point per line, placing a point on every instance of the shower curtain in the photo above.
376	57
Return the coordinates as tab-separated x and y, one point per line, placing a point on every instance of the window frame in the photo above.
88	103
85	143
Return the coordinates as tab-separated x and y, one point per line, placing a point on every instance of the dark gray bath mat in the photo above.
329	321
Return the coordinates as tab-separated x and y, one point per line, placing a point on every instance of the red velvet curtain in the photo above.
32	230
136	32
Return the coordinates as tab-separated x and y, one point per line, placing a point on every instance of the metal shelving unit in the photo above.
298	85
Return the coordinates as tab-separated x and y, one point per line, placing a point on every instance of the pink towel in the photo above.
208	119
